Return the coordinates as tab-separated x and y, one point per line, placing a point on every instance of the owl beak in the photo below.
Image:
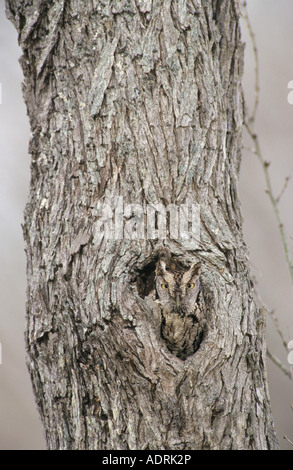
177	300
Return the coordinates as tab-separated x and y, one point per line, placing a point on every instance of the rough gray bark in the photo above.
142	99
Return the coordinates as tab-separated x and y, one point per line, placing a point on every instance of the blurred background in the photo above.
20	426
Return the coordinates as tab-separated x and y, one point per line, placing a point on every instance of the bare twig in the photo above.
278	363
249	125
273	317
287	439
278	329
274	202
283	189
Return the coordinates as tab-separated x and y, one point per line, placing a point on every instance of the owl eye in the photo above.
190	285
164	286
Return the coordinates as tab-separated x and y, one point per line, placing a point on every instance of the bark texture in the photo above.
141	99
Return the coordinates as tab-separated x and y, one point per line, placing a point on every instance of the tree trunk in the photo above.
137	102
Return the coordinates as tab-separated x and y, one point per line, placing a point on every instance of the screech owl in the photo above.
182	308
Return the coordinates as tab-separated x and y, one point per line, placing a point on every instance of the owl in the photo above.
181	302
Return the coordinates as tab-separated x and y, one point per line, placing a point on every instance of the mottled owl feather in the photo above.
182	308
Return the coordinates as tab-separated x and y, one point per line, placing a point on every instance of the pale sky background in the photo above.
20	426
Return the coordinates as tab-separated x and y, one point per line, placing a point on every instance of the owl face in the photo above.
178	291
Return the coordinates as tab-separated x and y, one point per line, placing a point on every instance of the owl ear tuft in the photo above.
193	271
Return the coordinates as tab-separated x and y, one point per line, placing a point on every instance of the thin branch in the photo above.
284	188
269	191
278	363
249	124
287	439
274	358
273	317
278	329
